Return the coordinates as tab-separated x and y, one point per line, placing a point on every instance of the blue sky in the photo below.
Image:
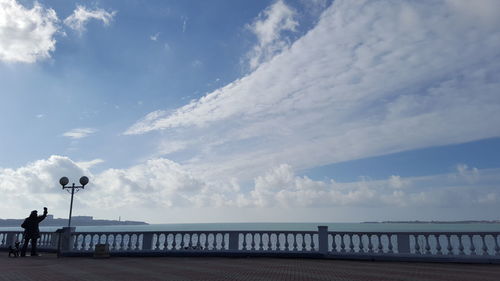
210	111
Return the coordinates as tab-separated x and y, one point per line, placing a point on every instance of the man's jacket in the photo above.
30	225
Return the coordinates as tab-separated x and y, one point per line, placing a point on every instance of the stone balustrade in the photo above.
47	241
277	241
421	246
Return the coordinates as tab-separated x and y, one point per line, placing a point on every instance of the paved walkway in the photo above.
50	268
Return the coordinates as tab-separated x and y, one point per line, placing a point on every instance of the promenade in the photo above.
50	268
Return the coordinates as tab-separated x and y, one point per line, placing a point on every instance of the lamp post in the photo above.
64	181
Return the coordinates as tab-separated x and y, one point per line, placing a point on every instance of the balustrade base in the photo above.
339	256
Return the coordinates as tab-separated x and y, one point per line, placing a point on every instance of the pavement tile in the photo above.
50	268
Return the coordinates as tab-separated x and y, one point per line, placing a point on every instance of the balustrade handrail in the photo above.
419	232
198	231
193	232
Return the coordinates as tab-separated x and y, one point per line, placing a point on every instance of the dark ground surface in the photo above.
49	267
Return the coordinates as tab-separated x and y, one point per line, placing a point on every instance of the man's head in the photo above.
34	213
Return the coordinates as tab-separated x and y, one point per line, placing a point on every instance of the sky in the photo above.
251	111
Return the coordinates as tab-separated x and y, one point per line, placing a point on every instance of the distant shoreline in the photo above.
75	221
440	222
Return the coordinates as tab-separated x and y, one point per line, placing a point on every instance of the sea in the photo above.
277	226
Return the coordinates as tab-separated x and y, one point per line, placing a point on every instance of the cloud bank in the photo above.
162	184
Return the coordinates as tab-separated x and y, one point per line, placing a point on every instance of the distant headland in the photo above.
75	221
441	222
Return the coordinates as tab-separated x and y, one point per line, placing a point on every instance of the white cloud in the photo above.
469	174
396	182
280	186
81	15
26	35
167	147
36	185
161	186
79	133
184	24
196	63
372	78
268	27
89	164
315	7
155	36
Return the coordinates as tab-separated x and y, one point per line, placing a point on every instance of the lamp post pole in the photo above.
64	181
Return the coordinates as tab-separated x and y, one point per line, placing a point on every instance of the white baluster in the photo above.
497	248
174	241
157	243
106	239
438	245
370	245
417	244
460	245
294	236
472	248
334	244
313	247
190	243
183	235
245	241
75	245
91	244
121	242
342	244
137	241
449	247
278	245
198	241
261	243
427	245
216	242
252	239
380	247
287	245
361	246
389	246
223	242
351	244
206	241
303	242
129	242
485	247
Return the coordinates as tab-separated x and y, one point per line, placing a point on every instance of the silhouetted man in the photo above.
31	231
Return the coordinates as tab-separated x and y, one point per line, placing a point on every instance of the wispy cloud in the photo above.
184	24
89	164
81	15
79	133
155	36
370	78
26	35
268	28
